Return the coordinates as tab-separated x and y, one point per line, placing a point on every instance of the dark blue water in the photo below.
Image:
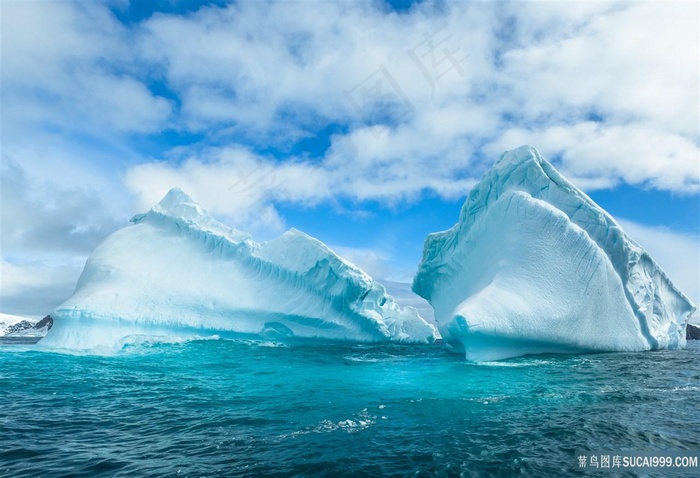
238	408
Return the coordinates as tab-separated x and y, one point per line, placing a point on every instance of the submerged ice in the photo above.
535	266
176	270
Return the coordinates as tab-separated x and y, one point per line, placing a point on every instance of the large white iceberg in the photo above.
535	266
177	271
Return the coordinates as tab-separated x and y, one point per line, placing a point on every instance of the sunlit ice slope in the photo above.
178	271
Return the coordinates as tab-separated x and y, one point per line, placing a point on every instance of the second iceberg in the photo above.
535	266
178	271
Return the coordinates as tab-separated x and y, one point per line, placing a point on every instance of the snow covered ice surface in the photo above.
177	271
535	266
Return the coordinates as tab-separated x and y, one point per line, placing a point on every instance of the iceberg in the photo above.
535	266
177	271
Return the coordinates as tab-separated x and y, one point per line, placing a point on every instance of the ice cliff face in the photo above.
177	271
535	266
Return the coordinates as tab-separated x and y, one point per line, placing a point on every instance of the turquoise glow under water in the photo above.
242	408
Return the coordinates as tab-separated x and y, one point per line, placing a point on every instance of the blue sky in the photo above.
361	123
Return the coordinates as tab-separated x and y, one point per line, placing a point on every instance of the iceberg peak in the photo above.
177	207
178	203
518	155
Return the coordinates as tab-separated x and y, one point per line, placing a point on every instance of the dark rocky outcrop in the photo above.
45	322
19	327
692	332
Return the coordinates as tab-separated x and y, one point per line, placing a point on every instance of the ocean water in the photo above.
221	408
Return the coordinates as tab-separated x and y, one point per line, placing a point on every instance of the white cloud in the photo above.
42	217
35	289
261	64
229	182
638	61
245	187
47	229
531	73
69	65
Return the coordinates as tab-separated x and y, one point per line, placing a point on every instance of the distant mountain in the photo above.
16	326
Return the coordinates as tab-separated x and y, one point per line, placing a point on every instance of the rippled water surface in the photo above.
242	408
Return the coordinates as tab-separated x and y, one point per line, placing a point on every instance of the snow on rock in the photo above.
16	326
535	266
177	271
10	322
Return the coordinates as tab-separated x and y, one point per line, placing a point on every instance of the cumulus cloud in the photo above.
425	96
43	218
68	65
47	229
625	62
236	182
420	97
35	289
230	182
